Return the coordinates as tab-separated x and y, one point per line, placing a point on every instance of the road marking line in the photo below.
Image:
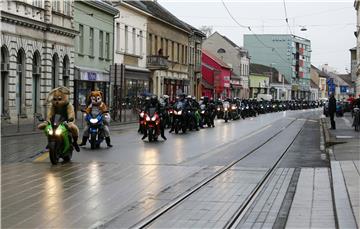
42	157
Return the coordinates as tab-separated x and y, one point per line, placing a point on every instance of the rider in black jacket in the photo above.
154	103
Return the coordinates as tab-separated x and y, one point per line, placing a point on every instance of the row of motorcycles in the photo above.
232	109
187	114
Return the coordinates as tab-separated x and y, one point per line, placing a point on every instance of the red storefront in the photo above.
216	74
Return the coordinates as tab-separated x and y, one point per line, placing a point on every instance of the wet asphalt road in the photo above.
118	186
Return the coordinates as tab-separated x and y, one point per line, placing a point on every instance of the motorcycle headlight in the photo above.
58	131
179	112
93	120
273	106
226	109
218	109
202	112
147	118
50	132
142	114
247	107
153	118
242	109
233	107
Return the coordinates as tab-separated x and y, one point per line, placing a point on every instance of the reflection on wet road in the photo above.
124	184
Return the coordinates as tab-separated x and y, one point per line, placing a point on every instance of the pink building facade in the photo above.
215	82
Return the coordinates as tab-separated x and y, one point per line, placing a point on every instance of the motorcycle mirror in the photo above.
82	110
71	119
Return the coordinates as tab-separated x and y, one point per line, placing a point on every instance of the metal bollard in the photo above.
18	123
34	115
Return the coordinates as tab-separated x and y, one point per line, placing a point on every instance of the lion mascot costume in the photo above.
59	98
97	105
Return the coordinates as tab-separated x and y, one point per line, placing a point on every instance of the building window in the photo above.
56	5
81	39
126	38
186	55
55	71
166	52
150	44
178	53
37	3
101	44
156	44
67	7
107	46
173	51
66	71
91	40
141	42
134	40
20	82
117	36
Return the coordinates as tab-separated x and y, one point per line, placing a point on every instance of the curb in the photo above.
41	132
344	216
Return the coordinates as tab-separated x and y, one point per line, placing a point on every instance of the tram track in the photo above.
147	221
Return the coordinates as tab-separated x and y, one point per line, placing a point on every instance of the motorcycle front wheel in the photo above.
53	154
93	140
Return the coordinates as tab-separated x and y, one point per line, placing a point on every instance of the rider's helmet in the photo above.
181	96
153	100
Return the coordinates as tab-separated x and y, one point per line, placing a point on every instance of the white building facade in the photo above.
37	52
130	48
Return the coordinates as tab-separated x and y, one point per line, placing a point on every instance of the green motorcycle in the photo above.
59	140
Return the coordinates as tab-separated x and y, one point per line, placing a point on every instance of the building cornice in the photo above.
102	6
154	17
27	22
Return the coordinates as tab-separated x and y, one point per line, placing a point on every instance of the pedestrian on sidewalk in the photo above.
332	110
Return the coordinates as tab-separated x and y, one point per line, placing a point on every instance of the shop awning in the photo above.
136	73
91	74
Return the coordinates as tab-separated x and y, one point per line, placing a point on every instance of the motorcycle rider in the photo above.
97	105
212	111
193	106
179	99
154	103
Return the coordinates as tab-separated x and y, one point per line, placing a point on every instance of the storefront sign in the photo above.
91	76
94	76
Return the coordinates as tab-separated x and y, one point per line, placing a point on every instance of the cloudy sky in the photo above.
330	24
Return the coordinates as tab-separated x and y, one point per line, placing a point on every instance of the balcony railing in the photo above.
157	62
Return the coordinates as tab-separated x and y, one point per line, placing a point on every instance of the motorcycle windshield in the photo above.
95	112
152	111
57	120
202	106
179	106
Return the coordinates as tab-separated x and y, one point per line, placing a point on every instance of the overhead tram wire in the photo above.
286	18
256	36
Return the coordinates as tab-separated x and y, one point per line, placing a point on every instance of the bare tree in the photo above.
207	30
